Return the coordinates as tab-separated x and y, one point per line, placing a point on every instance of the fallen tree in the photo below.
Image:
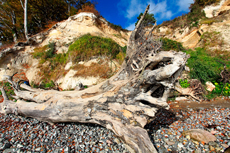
124	103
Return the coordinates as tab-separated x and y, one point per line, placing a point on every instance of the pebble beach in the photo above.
27	135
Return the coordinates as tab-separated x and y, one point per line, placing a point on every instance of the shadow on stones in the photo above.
163	119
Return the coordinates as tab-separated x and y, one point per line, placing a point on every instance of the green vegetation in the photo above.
169	44
116	27
176	22
149	19
207	21
195	15
222	89
52	64
8	89
204	66
184	83
203	3
211	39
48	84
45	52
12	21
88	46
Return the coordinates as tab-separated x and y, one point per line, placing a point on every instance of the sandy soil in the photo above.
214	103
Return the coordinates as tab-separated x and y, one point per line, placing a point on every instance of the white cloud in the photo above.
184	4
134	9
130	27
160	9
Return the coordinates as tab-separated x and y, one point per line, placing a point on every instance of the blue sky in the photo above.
125	12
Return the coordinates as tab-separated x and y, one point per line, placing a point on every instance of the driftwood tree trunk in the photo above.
124	103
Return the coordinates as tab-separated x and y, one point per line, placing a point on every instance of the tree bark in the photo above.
26	19
124	103
14	30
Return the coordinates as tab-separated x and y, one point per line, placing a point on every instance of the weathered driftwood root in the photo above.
196	90
123	103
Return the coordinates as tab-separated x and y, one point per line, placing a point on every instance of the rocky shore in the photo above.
19	134
24	135
166	130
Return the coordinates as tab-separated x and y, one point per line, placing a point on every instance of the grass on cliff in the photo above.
169	44
205	65
192	18
88	46
52	64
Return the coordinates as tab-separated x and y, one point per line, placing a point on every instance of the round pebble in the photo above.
168	124
30	135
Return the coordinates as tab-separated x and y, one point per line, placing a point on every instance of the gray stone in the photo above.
19	146
198	150
4	146
38	149
67	150
170	142
200	135
9	150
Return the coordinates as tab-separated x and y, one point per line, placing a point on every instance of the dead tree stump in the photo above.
124	103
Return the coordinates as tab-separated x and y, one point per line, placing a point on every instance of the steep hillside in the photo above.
189	30
27	57
204	34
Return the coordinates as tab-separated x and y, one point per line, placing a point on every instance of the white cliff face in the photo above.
62	34
83	23
190	37
71	82
214	10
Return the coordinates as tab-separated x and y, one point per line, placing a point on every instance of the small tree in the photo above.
25	18
149	19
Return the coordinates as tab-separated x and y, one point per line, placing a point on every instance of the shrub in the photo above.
203	66
211	39
203	3
45	52
116	27
88	46
149	19
49	25
196	13
8	89
89	8
222	89
169	44
82	49
184	83
49	84
180	21
54	67
39	51
207	21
